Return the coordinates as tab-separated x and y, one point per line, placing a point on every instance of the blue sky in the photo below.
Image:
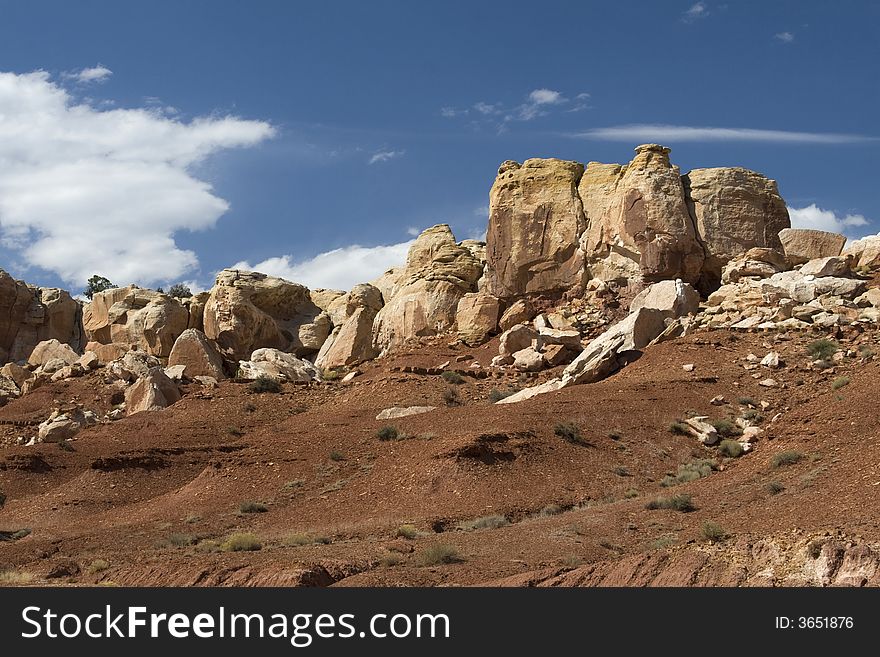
162	141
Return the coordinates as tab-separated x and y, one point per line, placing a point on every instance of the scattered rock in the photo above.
528	360
277	365
804	244
49	350
772	360
398	411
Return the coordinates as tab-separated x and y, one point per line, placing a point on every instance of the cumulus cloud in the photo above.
696	11
785	37
99	73
384	156
85	190
643	132
339	269
815	217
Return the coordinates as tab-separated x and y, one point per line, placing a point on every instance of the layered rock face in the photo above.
438	273
136	316
30	315
352	337
535	219
249	310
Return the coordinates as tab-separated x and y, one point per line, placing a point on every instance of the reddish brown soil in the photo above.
129	491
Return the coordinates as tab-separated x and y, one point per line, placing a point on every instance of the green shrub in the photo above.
621	471
337	456
241	542
439	554
252	507
298	540
682	503
747	401
662	542
866	351
551	510
631	493
486	522
407	531
180	291
731	448
496	395
679	428
774	488
822	349
181	540
692	471
712	532
840	382
265	383
97	566
788	457
453	377
388	433
726	428
570	433
753	416
97	284
330	375
450	397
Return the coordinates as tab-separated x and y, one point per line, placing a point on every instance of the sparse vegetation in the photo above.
774	487
726	428
298	539
753	416
788	457
486	522
731	448
252	507
13	577
97	284
840	382
867	352
264	383
337	456
679	428
451	397
551	510
615	435
712	532
241	542
570	433
97	566
822	349
407	531
496	395
452	377
180	291
235	431
747	401
621	471
696	469
662	542
681	502
438	554
293	484
631	493
390	560
388	433
181	540
330	374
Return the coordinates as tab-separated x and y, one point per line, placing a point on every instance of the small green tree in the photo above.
97	284
180	291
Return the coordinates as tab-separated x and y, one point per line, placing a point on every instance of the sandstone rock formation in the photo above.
277	365
352	338
249	310
30	314
135	316
153	392
758	261
519	311
673	298
865	252
803	244
535	219
197	355
477	317
50	350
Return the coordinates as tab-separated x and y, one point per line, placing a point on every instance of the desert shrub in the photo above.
452	377
293	484
570	433
97	566
662	542
788	457
181	540
439	554
747	401
241	542
731	448
450	397
2	498
726	428
235	431
712	531
486	522
616	434
388	433
407	531
866	351
692	471
679	428
840	382
631	493
682	503
180	291
13	577
551	510
753	416
322	540
774	487
298	540
496	395
97	284
390	560
621	471
265	383
330	374
337	456
252	507
822	349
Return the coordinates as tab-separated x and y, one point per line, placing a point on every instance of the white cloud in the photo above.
486	108
815	217
412	231
337	269
99	73
546	97
785	37
535	105
695	12
679	133
86	191
384	156
450	112
481	211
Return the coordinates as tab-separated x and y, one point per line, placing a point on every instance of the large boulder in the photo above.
277	365
197	355
519	311
734	210
830	266
136	316
535	220
865	252
673	298
477	317
438	273
152	392
638	220
59	426
30	314
352	339
49	350
757	262
804	244
249	310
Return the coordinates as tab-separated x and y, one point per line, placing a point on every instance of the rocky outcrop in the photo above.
535	220
197	355
30	314
638	220
803	244
438	273
136	316
864	252
50	350
152	392
759	262
352	339
734	210
477	317
277	365
249	310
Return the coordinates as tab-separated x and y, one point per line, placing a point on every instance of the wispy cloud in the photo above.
412	231
537	103
95	74
384	156
815	217
647	132
696	11
784	37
